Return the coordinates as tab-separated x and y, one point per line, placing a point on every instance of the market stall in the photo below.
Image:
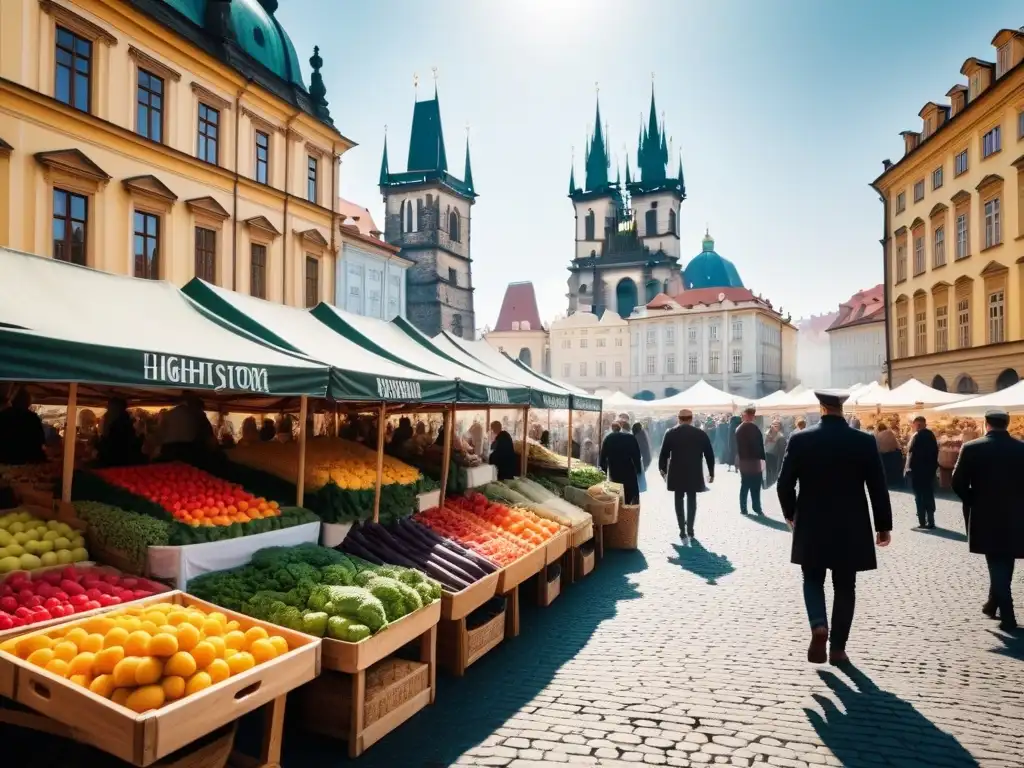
701	397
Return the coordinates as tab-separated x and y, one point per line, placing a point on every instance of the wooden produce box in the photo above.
456	605
357	657
625	533
144	739
549	584
29	495
581	534
459	645
585	559
511	576
556	546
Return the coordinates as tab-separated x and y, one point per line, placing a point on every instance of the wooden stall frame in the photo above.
568	447
300	484
526	434
70	438
446	456
381	418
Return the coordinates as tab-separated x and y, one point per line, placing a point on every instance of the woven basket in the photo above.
603	512
625	533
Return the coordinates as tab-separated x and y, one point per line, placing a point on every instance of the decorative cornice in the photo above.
918	222
960	197
74	162
207	206
262	223
150	185
994	268
211	98
942	285
900	232
5	149
313	236
157	67
313	149
259	121
293	134
1018	163
990	180
75	23
938	210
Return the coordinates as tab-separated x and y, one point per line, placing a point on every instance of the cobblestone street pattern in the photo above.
695	655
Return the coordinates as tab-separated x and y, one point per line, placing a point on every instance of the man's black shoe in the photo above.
1008	625
690	534
990	609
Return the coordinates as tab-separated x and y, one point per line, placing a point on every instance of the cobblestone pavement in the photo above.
689	655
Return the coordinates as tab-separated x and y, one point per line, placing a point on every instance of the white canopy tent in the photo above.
700	397
1010	400
619	401
865	395
907	396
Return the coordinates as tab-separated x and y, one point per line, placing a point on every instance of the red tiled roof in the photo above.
861	308
696	296
661	301
519	305
359	217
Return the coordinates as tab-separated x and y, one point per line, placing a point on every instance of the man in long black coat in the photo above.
923	461
989	478
831	525
621	459
503	452
680	464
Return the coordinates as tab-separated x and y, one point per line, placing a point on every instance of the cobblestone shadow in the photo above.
770	522
1012	645
944	533
700	561
874	724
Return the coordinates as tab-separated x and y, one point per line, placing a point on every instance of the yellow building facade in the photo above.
169	139
954	233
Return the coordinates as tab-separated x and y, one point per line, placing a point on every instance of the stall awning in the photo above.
356	374
63	323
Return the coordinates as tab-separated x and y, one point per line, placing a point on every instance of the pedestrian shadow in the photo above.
700	561
769	522
874	720
943	533
1012	645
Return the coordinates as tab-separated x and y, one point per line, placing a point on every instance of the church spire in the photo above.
597	155
653	155
682	184
467	177
384	161
572	179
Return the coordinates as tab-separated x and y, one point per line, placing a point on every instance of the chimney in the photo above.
910	141
957	99
886	164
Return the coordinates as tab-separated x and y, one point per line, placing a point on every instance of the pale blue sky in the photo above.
783	111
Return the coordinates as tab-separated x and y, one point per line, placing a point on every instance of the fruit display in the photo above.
319	591
129	533
585	476
539	499
27	543
198	506
474	533
341	477
408	543
58	592
527	527
143	657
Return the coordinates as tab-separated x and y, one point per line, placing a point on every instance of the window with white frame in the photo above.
919	254
937	178
901	263
714	363
901	337
618	342
940	246
691	333
565	370
901	202
354	300
373	292
583	343
993	234
963	323
693	364
961	165
651	364
652	336
713	332
394	296
996	318
602	342
961	235
919	191
583	369
618	368
566	343
670	364
921	333
600	367
941	328
737	329
991	142
1002	59
670	336
737	361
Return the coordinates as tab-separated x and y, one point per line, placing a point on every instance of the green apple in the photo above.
49	558
9	564
52	524
64	556
51	535
32	547
77	542
34	534
16	527
26	517
79	555
61	543
44	546
5	538
29	562
21	537
65	530
15	550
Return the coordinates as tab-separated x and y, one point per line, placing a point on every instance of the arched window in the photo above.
625	297
409	223
672	221
669	391
965	385
401	217
1006	379
525	357
650	223
583	289
588	225
939	383
453	226
653	289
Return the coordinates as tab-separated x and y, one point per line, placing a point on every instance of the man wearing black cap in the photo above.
831	525
682	452
989	479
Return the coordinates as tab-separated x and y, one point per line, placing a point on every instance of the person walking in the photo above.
750	459
645	453
682	451
922	463
503	452
989	479
832	463
621	460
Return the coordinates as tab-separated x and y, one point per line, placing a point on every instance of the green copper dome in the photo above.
256	31
709	270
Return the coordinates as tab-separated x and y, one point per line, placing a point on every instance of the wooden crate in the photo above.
585	558
513	575
625	533
144	739
346	705
358	657
456	605
549	584
556	546
459	646
581	534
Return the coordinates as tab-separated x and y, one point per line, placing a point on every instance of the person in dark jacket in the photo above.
988	478
749	444
923	462
22	438
503	452
621	459
401	434
645	453
730	449
832	464
119	445
682	451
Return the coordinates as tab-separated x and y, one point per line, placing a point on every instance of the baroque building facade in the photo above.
169	139
857	339
427	216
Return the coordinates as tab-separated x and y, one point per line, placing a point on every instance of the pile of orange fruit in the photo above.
145	657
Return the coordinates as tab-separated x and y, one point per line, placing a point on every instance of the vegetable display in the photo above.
56	593
340	478
27	543
186	526
409	543
130	533
319	591
583	477
524	525
548	505
145	657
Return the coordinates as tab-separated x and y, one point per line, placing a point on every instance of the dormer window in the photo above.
928	122
975	86
1002	59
